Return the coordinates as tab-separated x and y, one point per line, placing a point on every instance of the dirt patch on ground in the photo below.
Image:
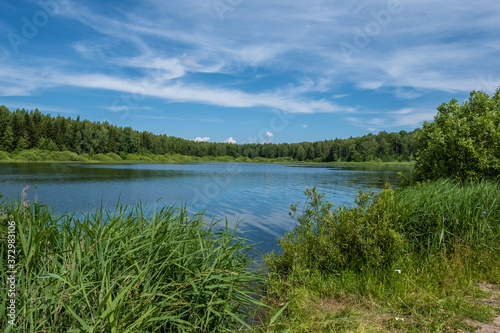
493	327
494	291
494	300
330	305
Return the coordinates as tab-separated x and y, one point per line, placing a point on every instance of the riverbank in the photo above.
122	270
421	259
44	156
424	258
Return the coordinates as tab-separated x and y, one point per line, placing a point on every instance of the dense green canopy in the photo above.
463	142
22	129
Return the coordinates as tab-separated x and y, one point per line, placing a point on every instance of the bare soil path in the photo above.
494	300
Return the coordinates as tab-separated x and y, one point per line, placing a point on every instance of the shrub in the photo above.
133	157
114	156
329	240
224	158
4	156
102	158
28	155
65	156
161	158
463	142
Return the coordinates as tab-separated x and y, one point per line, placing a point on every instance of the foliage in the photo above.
443	214
102	158
22	129
4	156
28	155
125	271
463	142
114	157
66	156
333	240
449	237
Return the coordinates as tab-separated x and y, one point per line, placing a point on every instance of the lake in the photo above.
257	195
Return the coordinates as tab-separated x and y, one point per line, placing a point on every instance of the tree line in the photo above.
24	130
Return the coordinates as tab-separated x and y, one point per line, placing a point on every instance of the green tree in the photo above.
30	131
463	141
301	153
7	139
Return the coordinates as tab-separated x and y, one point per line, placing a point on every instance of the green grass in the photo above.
415	259
126	271
417	254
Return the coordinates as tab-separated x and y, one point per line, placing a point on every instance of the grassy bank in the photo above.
124	271
419	259
43	156
425	258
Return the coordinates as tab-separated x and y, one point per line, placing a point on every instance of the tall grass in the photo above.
445	213
409	260
124	270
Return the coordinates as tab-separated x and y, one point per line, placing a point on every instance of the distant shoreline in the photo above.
43	156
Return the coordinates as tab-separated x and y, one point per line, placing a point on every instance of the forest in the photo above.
22	130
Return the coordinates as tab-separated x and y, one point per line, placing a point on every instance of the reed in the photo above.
124	270
439	215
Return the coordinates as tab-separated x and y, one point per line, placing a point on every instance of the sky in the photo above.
248	71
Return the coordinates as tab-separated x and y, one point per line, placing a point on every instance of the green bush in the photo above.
133	157
4	156
114	156
261	159
161	158
28	155
463	142
65	156
224	158
102	158
329	240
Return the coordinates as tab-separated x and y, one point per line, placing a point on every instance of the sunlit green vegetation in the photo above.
410	260
22	130
421	258
463	141
125	271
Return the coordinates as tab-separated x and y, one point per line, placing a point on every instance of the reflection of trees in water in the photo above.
77	173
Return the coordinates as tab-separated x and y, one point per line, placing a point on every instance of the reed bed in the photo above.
124	270
442	214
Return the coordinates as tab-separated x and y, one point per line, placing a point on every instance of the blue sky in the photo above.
248	71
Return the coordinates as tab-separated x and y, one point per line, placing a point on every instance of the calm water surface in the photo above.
256	195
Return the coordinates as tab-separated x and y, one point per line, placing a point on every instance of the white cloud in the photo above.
196	93
200	139
119	108
230	140
304	125
394	119
155	49
370	85
268	137
402	111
